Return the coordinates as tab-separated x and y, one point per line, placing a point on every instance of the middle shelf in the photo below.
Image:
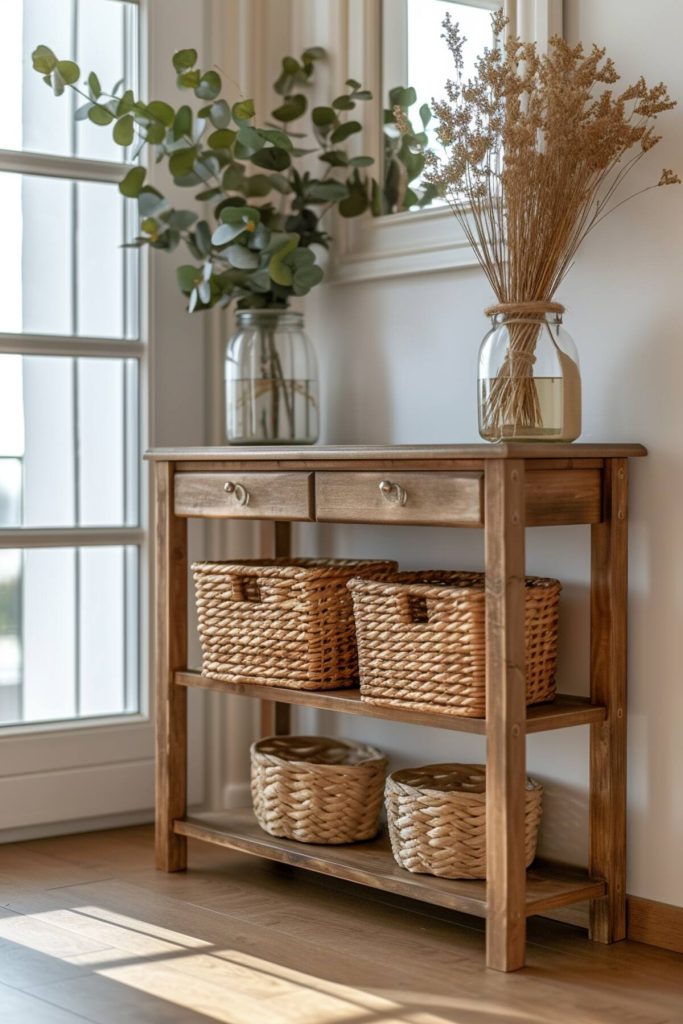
565	711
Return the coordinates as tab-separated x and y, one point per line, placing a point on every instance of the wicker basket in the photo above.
437	819
421	640
283	622
317	790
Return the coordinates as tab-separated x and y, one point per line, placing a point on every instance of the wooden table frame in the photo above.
540	484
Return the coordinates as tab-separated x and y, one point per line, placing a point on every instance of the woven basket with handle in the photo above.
422	645
437	819
317	790
283	622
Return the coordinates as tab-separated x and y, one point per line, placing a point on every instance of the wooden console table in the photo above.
500	488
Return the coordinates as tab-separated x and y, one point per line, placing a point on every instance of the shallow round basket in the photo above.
317	790
437	819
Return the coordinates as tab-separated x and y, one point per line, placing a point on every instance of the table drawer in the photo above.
245	495
451	499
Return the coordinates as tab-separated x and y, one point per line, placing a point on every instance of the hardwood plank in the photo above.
435	499
506	714
170	654
609	595
372	864
564	712
244	495
566	498
657	924
238	935
278	455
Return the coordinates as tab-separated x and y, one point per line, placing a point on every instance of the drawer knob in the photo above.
393	492
241	493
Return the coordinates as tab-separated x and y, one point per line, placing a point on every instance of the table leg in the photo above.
170	655
609	589
505	714
276	718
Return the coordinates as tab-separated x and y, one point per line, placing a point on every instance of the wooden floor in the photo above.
90	932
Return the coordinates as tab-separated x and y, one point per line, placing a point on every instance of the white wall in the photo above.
398	364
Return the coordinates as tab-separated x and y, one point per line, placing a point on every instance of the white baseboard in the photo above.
236	794
68	828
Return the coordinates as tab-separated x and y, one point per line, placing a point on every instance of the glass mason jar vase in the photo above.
271	380
529	381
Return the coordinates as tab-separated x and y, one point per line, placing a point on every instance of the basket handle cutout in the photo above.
246	588
414	609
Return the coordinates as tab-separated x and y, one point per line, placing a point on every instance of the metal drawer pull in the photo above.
241	493
393	492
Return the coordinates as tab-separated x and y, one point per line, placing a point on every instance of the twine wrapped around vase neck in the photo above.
539	308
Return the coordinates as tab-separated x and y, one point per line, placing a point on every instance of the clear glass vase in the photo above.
529	380
271	380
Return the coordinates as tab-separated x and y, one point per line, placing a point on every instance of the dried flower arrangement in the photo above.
535	154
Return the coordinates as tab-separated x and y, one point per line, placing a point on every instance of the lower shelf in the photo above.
548	885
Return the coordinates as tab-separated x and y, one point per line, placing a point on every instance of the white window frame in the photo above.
110	754
425	241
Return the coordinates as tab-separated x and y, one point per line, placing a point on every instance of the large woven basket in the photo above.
317	790
422	645
282	622
437	819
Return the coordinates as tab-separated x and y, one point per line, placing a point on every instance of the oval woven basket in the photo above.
280	622
437	819
422	644
317	790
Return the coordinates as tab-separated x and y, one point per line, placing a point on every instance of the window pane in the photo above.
68	442
99	35
67	272
67	649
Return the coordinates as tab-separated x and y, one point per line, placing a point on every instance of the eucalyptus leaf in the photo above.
187	277
155	133
272	159
126	103
361	161
294	107
209	86
322	116
327	191
204	289
279	272
345	131
182	162
226	233
219	114
43	60
57	82
343	103
124	130
202	235
243	111
69	71
425	114
306	278
131	185
100	115
182	123
150	202
94	86
162	112
241	257
181	220
184	59
194	299
189	79
314	53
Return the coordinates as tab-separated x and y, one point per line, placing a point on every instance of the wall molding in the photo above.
654	923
